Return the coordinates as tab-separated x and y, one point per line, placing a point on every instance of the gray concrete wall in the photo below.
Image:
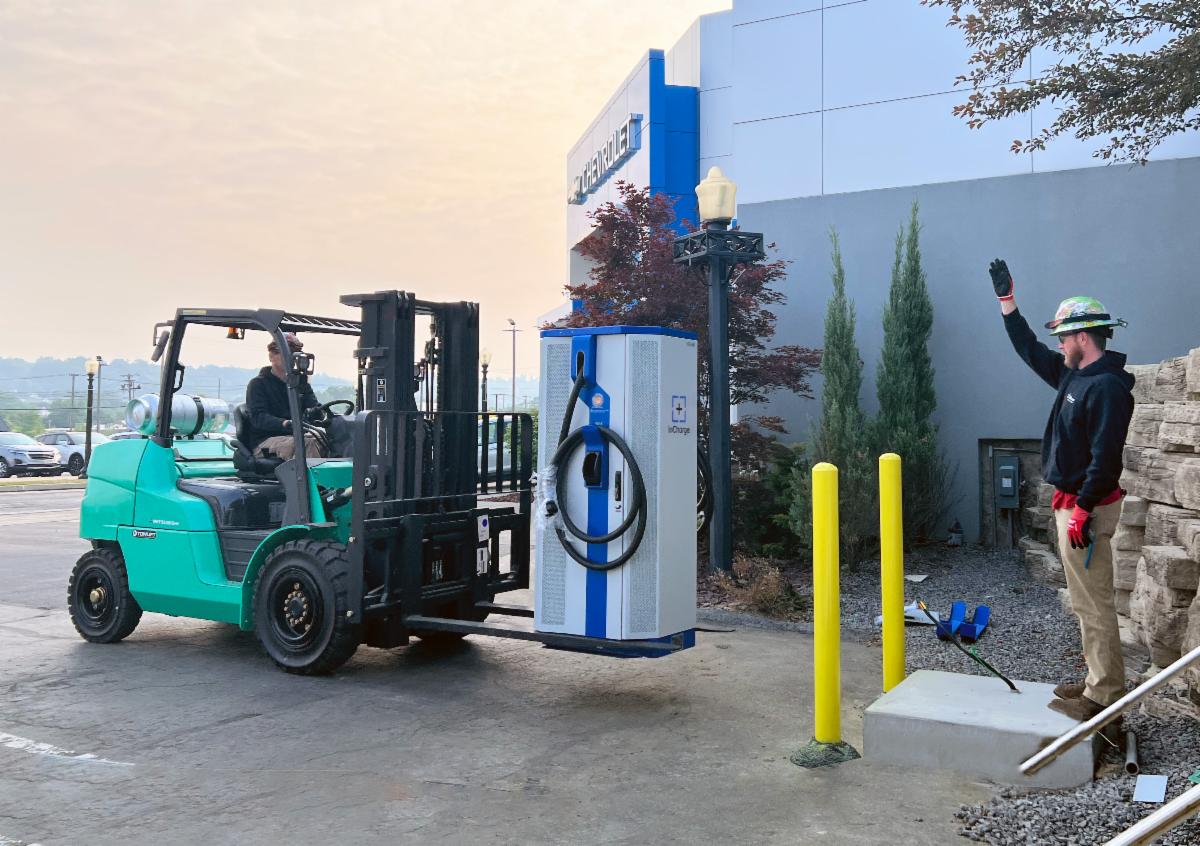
1125	234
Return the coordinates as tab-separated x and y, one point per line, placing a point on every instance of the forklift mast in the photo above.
419	539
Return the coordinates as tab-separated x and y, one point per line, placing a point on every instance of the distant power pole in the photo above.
73	375
130	385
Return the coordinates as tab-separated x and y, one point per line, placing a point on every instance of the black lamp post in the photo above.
721	249
485	360
91	366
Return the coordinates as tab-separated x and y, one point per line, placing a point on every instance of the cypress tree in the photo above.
841	435
904	386
841	423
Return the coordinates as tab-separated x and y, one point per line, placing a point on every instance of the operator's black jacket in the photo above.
267	402
1085	435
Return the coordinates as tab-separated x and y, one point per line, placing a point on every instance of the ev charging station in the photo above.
617	448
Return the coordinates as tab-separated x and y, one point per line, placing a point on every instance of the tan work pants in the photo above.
285	447
1094	601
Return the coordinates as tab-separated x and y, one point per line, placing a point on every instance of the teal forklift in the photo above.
398	533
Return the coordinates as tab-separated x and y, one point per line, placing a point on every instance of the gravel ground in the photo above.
1030	638
1167	745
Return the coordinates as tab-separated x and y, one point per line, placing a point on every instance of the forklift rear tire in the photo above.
300	605
98	598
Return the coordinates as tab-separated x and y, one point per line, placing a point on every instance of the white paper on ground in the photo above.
915	578
1150	788
913	614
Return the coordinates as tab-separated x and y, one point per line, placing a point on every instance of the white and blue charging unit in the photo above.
616	530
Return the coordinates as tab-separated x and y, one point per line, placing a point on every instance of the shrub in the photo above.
760	586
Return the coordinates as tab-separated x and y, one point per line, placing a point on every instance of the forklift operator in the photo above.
267	402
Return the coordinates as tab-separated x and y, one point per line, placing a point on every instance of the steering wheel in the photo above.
320	414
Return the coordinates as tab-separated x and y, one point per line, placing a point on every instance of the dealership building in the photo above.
839	114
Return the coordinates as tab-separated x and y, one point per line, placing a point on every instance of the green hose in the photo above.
970	653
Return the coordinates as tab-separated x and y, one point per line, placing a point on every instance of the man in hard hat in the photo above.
267	401
1081	457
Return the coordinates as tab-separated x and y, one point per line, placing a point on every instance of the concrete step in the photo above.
973	725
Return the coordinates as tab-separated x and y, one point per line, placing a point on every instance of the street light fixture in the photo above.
512	327
91	366
721	249
485	359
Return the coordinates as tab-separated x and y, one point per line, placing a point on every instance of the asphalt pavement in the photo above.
186	733
39	544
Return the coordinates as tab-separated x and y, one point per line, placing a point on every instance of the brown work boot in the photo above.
1070	690
1081	708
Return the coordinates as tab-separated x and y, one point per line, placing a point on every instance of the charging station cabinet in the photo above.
1007	475
640	384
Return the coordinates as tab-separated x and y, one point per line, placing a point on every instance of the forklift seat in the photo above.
250	467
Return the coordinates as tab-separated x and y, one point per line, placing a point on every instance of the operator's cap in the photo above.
293	342
1078	313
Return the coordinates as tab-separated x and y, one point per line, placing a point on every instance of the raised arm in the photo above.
1049	365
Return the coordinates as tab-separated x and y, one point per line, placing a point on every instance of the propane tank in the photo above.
190	415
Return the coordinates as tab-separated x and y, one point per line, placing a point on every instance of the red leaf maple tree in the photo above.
635	282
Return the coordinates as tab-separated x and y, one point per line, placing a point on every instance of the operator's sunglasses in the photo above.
274	348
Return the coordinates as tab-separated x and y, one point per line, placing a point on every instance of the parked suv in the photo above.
21	455
70	446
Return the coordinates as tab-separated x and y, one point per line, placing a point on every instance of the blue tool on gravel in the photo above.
947	629
970	653
971	630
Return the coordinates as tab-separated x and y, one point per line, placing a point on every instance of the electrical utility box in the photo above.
640	384
1008	481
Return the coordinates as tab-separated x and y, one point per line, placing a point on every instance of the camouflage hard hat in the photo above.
1078	313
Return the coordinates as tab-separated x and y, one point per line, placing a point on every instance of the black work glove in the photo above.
1002	280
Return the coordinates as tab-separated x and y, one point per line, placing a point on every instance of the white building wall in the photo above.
807	97
682	61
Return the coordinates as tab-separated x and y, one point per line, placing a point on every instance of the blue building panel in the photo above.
664	145
681	108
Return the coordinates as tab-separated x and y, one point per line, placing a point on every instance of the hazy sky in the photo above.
164	154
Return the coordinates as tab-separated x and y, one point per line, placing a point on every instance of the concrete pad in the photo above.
973	725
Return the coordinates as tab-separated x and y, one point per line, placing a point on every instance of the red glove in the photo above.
1079	528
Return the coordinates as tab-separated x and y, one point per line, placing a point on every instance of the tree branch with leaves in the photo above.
1104	87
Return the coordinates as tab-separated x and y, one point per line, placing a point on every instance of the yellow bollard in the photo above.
827	669
891	558
826	748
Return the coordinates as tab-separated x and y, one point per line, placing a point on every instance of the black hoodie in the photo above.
267	402
1085	435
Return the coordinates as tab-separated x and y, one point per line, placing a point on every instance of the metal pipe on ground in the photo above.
1112	712
1131	756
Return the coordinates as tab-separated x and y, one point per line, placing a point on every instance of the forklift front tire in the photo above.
98	598
300	605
